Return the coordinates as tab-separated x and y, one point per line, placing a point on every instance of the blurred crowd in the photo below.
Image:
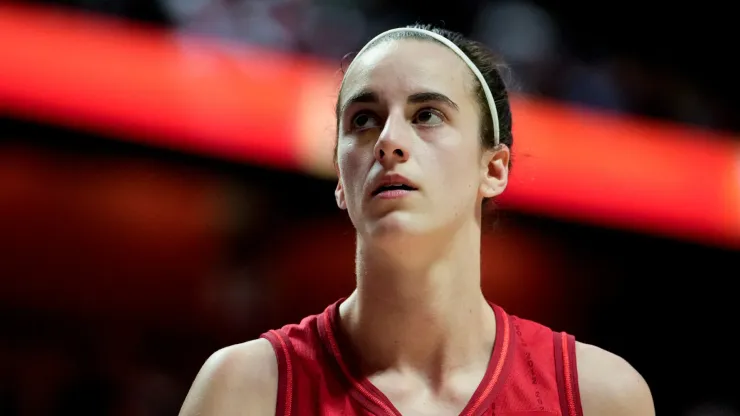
55	368
549	49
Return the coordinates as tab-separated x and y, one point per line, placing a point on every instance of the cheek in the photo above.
351	168
459	171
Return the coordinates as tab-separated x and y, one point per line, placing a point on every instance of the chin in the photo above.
394	228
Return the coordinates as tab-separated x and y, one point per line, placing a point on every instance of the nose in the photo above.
392	145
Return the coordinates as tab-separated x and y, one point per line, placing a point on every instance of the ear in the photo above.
494	171
339	192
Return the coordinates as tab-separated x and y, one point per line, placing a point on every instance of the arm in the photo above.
610	386
238	380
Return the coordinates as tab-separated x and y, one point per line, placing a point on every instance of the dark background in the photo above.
110	303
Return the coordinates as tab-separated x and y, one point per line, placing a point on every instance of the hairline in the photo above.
410	34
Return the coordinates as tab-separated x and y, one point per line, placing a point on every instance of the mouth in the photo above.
392	187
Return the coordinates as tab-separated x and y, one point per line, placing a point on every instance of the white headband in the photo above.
443	40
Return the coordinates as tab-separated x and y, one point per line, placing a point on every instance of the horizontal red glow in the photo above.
249	105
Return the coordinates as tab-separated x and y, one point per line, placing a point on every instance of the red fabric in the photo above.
528	373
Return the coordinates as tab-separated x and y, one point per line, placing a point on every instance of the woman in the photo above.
423	141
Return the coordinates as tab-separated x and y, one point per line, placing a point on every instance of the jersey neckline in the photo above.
364	392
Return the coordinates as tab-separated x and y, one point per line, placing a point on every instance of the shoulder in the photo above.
609	385
240	379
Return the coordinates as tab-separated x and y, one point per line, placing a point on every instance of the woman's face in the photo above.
407	108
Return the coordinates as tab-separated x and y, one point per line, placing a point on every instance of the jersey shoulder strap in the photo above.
566	373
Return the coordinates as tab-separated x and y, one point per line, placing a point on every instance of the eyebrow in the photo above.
428	97
417	98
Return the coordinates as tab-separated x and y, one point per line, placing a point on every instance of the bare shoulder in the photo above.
609	385
236	380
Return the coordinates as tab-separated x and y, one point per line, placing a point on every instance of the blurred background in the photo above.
166	186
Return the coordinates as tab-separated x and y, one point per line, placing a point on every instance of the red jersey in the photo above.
532	372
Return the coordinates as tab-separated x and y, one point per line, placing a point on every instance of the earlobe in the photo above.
495	172
339	195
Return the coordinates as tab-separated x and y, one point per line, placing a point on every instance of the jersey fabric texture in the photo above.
532	372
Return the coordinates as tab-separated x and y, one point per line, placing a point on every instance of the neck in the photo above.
427	317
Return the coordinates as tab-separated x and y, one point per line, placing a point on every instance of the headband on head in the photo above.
443	40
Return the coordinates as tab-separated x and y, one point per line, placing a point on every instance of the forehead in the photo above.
406	66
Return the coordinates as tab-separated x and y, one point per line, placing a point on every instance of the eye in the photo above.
429	117
363	121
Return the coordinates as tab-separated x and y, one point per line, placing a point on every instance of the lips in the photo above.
393	183
393	187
